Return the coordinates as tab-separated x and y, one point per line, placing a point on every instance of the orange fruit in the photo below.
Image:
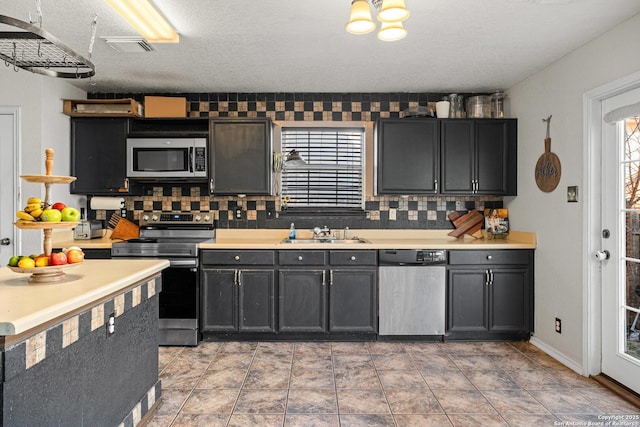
42	261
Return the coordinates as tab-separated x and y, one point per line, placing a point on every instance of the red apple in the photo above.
59	206
57	258
75	256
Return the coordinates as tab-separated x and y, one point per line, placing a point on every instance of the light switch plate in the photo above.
572	193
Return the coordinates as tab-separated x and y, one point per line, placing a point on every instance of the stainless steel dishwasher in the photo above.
412	285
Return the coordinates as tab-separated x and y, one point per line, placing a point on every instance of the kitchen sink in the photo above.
326	241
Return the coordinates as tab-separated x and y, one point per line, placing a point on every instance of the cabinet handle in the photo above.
239	277
489	257
353	258
486	277
126	184
235	277
299	257
212	186
324	277
330	277
491	277
435	185
237	257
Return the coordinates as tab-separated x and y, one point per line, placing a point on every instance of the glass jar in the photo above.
452	105
497	105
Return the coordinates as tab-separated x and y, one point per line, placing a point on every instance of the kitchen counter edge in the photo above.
24	306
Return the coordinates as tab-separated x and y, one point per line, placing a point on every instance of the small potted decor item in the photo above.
496	223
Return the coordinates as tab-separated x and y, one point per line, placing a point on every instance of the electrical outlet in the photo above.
238	213
558	325
111	325
392	214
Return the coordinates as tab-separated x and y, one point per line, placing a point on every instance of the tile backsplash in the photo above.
413	212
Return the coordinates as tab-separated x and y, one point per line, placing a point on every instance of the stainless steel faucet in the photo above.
321	232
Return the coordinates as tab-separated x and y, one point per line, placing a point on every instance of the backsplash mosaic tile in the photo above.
419	212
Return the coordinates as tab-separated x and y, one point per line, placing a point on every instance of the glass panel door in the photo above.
621	237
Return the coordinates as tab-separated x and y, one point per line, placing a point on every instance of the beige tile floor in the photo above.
377	384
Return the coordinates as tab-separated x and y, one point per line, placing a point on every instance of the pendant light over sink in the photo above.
390	13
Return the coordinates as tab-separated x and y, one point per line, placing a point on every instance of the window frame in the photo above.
367	171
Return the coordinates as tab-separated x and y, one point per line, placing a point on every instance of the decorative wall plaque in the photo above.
548	168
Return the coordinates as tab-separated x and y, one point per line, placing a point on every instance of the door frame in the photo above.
17	167
592	180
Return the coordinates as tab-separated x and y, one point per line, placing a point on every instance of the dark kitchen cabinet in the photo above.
353	291
479	156
98	156
240	156
239	298
490	294
407	155
302	291
328	291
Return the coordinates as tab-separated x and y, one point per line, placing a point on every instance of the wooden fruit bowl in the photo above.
52	273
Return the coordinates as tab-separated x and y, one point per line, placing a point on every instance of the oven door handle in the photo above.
183	263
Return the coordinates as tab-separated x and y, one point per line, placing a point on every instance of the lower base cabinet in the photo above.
240	299
300	292
302	296
490	294
353	301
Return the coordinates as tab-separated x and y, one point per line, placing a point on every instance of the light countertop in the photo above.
24	305
379	239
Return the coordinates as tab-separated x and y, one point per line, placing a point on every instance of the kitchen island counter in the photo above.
82	351
24	306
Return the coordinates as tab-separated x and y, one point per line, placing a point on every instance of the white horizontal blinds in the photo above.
333	174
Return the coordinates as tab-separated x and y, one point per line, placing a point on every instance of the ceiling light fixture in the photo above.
360	21
390	13
146	19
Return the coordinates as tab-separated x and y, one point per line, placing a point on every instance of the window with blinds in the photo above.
333	174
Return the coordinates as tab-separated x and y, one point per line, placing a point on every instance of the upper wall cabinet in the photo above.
98	153
240	156
407	156
479	156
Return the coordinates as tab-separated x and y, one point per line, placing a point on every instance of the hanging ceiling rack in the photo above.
36	50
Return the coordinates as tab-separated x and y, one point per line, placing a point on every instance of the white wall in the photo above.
42	126
558	91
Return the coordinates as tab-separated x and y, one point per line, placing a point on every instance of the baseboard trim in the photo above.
557	355
619	389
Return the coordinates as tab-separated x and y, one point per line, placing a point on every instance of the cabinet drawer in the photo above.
353	257
238	258
302	257
515	256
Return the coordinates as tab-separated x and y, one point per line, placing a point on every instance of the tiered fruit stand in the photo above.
54	273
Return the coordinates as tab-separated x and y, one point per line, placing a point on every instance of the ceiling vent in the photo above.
129	44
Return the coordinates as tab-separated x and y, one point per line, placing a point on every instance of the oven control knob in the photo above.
207	218
154	218
145	218
197	218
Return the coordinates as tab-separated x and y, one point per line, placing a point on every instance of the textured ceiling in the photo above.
302	46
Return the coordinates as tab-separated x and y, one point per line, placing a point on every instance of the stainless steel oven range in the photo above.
175	237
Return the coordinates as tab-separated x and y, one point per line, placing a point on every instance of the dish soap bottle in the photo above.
292	232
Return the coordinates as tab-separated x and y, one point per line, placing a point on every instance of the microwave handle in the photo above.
191	159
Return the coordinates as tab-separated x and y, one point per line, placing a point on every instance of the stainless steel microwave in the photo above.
167	158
